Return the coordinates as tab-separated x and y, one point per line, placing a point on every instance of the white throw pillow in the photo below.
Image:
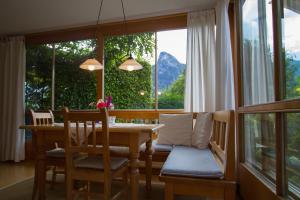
178	129
202	130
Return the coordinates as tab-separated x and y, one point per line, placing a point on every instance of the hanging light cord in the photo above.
99	14
124	17
126	31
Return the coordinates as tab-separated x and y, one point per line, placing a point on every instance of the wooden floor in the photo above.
11	173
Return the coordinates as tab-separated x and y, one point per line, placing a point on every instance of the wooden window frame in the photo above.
249	178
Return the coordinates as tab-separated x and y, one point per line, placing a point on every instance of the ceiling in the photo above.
28	16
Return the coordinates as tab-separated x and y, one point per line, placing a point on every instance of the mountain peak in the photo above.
169	69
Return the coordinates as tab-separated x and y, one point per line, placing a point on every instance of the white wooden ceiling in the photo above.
27	16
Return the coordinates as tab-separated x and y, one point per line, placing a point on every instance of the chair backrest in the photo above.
81	135
42	118
222	141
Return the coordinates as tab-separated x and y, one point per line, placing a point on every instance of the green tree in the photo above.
38	76
292	80
173	96
125	87
74	87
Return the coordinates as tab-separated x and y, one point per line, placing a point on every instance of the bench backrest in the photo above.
222	141
143	116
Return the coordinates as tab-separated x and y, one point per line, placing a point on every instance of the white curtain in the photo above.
224	64
12	78
258	70
200	69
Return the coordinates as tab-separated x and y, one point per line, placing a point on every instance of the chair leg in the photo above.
169	193
34	191
88	190
125	185
107	189
53	181
69	184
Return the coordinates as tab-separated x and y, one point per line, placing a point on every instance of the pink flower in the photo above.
105	104
101	104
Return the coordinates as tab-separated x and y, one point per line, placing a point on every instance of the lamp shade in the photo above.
130	65
91	64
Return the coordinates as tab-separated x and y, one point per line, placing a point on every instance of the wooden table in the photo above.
123	134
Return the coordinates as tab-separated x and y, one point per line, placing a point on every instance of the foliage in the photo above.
74	87
292	80
173	97
124	86
38	77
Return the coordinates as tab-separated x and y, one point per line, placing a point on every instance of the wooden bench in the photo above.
160	153
210	184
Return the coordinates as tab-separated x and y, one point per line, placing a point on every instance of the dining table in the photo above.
120	134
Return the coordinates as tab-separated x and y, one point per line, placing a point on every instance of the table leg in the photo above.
148	160
40	166
41	180
134	169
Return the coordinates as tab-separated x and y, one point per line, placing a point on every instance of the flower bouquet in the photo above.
108	105
105	104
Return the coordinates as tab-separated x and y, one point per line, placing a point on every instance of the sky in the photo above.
290	27
291	33
173	42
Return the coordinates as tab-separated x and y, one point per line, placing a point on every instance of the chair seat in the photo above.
191	162
96	162
56	153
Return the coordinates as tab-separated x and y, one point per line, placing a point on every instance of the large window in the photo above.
171	64
270	90
38	76
129	89
53	76
160	84
260	143
258	65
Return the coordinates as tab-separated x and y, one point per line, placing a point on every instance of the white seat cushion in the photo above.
178	129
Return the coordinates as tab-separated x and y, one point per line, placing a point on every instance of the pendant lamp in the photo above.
93	64
130	63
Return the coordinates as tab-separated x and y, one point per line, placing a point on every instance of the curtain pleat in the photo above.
200	71
224	64
12	76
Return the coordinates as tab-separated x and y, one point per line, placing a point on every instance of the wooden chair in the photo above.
88	155
55	156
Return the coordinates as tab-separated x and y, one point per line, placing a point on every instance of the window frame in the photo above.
280	106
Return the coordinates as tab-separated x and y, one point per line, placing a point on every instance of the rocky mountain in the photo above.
169	68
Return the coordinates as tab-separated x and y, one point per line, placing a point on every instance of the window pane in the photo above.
259	142
292	152
38	77
171	63
291	45
129	89
258	65
74	87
